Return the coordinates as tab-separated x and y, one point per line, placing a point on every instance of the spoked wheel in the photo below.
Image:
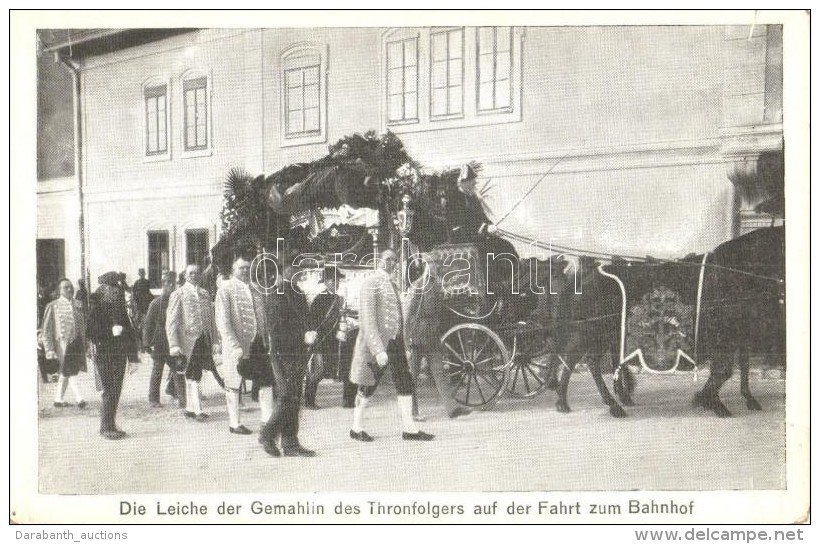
476	363
532	366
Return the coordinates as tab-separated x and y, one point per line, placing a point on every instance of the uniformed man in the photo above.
241	322
64	340
191	336
381	343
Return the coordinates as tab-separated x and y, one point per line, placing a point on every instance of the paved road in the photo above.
520	445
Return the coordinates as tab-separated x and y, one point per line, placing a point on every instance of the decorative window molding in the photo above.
156	120
196	139
303	72
462	81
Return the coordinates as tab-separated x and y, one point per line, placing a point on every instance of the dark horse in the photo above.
741	309
744	295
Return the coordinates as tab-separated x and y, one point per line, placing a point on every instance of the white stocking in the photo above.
62	384
408	425
232	400
358	412
192	400
75	388
265	403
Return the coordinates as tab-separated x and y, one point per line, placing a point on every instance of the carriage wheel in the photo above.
476	363
531	367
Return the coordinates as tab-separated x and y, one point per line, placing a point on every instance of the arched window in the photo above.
304	94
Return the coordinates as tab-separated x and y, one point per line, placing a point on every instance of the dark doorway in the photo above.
50	262
196	247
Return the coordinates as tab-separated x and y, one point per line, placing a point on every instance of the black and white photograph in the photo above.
415	262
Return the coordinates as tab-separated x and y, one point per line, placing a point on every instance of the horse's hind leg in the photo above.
615	409
743	364
625	384
566	364
708	397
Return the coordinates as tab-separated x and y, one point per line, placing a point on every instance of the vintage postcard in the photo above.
410	267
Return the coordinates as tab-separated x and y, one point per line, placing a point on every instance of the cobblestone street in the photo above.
519	445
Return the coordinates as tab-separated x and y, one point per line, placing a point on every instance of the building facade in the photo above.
630	139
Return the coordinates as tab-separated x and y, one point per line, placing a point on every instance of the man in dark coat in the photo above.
423	307
141	292
287	338
155	339
110	330
321	322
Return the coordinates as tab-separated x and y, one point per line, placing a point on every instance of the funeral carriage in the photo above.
511	326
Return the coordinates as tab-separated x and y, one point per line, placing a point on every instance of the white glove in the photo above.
175	351
116	330
381	359
310	337
51	355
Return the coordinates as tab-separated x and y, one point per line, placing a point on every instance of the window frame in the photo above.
401	39
302	71
446	32
186	152
495	109
471	116
165	154
289	61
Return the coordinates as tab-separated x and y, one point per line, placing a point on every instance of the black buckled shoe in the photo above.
361	436
113	435
297	451
240	430
82	404
420	436
270	448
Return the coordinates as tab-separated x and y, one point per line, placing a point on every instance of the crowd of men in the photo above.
283	339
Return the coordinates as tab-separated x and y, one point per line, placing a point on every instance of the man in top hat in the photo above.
110	330
380	343
191	336
321	321
289	346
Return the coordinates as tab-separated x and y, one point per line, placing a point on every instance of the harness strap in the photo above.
698	301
